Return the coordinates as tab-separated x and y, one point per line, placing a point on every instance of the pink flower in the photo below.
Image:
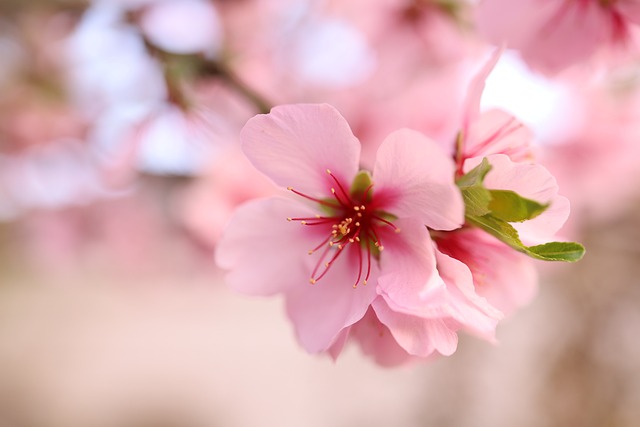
503	276
554	34
493	131
505	142
357	238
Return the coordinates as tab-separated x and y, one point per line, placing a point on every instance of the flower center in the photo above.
353	222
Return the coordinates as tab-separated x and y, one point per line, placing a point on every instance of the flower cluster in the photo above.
402	257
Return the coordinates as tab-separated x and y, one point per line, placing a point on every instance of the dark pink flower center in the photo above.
353	221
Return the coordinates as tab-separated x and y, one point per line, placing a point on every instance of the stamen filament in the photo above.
322	202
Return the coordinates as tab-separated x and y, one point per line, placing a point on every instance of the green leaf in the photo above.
499	229
475	176
559	251
503	231
511	207
476	200
476	196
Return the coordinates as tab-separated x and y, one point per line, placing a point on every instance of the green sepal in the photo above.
511	207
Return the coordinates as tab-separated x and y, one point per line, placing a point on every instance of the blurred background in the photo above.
119	166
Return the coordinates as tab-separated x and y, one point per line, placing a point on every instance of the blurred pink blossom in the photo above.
552	35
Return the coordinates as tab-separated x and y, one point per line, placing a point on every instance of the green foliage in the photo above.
494	210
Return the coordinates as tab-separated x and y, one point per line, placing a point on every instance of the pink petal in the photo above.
338	343
471	311
497	132
418	336
376	341
295	145
264	252
416	177
506	278
534	182
321	311
474	92
409	277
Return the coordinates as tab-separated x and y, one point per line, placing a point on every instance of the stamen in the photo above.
322	202
389	223
366	278
344	193
328	264
355	285
324	242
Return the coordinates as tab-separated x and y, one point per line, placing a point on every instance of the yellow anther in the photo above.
312	281
289	219
290	188
356	208
328	171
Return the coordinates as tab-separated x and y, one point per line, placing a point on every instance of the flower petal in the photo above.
410	278
264	252
321	311
498	132
294	145
376	341
418	336
416	179
506	278
474	92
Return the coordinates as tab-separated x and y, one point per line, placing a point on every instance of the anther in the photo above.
356	208
357	224
312	281
290	188
289	219
303	222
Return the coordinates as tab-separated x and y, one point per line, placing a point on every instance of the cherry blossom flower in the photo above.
503	276
347	239
554	34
